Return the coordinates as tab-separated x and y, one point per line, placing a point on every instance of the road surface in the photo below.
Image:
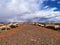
28	34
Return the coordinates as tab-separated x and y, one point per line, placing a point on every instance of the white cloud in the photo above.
49	14
27	10
22	6
46	7
53	0
58	2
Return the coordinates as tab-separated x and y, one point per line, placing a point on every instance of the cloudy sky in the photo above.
29	10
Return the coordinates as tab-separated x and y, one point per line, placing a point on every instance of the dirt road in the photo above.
28	34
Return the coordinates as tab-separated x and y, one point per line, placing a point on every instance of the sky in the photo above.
29	10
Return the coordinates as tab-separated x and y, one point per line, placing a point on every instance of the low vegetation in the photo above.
4	27
55	26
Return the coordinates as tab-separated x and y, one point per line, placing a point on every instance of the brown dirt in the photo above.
28	34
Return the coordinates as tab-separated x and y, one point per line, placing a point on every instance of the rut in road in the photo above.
30	35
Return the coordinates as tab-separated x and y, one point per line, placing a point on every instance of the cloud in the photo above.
11	8
21	6
53	0
27	11
58	2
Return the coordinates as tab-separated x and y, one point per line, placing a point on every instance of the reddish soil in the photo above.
28	34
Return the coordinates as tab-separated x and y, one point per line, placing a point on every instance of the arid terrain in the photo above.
28	34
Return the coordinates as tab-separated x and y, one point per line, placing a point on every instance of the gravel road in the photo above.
28	34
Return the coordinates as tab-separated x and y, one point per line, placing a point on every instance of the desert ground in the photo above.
29	34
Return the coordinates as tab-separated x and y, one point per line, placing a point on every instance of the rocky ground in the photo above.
28	34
